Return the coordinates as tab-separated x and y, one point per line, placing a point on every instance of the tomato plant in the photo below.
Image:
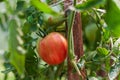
32	45
53	48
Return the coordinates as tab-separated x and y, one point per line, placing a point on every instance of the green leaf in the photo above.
17	53
53	20
114	72
42	6
89	4
112	17
90	55
106	34
20	5
107	64
31	60
102	51
90	32
26	28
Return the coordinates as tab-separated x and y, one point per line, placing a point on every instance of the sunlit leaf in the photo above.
89	4
102	51
42	7
112	17
17	53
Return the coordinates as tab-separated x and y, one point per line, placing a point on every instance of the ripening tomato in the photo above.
53	48
53	20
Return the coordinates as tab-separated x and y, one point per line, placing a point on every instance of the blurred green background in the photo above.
3	48
4	14
101	29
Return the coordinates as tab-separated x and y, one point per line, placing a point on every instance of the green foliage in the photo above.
90	33
102	51
53	20
112	17
28	21
31	60
20	5
89	4
42	7
17	53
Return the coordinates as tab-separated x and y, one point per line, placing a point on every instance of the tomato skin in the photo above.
53	48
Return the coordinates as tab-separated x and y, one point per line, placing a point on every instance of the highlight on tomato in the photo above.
53	48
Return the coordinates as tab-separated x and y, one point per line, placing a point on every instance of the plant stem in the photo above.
71	42
70	21
76	68
74	2
71	54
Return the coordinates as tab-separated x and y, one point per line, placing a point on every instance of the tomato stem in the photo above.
76	68
71	42
71	54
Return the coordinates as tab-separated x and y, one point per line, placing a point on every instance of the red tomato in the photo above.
53	48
